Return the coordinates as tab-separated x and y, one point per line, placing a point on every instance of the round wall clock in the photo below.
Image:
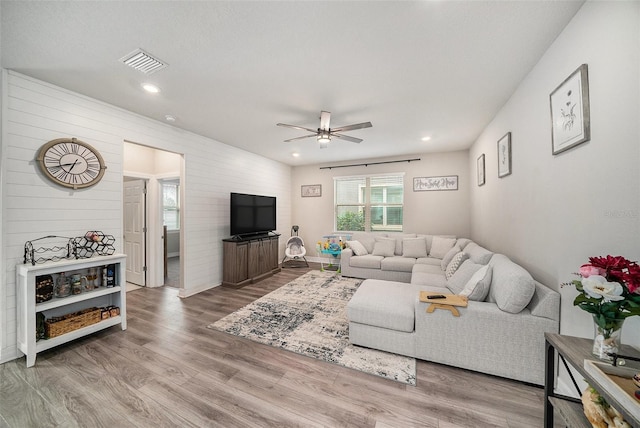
71	163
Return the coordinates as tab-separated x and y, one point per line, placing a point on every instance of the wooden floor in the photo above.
168	370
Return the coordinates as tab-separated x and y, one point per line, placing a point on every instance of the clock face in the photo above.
71	163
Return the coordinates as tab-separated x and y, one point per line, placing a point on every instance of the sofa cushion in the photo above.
397	264
464	273
428	268
477	254
384	247
430	261
399	241
429	278
369	261
463	242
358	248
385	304
440	246
449	256
414	247
366	239
512	287
455	263
477	287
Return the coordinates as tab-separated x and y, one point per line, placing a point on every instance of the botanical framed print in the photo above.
570	114
311	190
445	182
504	155
480	168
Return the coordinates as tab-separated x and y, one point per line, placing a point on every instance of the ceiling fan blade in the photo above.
325	120
296	127
346	137
352	127
299	138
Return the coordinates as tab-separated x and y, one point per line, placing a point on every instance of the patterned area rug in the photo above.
309	316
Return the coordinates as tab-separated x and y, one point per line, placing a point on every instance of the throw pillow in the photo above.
512	287
366	239
414	247
449	256
358	248
384	247
477	287
440	246
455	263
399	240
464	273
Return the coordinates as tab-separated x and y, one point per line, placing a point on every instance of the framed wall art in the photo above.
504	155
570	114
445	182
480	170
311	190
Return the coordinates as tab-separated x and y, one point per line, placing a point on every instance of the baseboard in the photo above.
10	354
183	293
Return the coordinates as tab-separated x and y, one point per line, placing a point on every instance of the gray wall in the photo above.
554	212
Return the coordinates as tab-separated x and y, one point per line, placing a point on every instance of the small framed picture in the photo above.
570	115
504	155
480	168
311	190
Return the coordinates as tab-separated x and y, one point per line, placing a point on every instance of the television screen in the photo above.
252	214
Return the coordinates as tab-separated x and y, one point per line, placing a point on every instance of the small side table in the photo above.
331	260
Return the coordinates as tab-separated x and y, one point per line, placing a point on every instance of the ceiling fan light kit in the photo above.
324	133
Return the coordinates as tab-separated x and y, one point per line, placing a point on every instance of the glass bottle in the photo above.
63	286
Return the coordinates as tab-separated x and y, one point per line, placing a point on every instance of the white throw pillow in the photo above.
440	246
477	288
449	256
455	263
384	247
358	248
414	247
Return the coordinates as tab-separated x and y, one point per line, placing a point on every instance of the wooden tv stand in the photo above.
248	260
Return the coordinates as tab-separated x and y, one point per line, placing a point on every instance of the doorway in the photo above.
146	171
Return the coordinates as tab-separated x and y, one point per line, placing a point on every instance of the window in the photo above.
171	204
369	203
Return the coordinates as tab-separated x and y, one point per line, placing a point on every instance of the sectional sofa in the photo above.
500	332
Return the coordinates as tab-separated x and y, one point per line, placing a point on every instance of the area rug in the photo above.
309	316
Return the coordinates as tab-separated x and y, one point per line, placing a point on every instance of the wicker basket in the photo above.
58	326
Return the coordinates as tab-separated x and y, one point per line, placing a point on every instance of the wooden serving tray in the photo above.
448	303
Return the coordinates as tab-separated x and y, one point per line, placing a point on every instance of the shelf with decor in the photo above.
96	306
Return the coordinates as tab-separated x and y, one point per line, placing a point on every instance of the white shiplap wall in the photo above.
36	112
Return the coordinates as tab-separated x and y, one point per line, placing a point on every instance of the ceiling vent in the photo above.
143	62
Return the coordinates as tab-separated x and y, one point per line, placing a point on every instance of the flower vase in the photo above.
608	333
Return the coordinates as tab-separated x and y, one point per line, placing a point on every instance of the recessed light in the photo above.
295	155
426	138
150	88
169	118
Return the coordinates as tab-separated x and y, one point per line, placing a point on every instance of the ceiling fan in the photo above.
324	133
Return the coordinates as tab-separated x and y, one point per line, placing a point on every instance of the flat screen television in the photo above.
252	214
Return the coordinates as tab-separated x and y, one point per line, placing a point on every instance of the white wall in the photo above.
554	212
36	112
435	212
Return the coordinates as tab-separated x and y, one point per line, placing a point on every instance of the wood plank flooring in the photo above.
168	370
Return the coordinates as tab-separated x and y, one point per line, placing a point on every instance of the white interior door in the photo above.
134	230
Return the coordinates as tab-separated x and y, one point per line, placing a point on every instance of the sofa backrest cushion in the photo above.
414	247
512	287
464	273
449	256
399	237
440	246
463	242
357	248
477	288
366	239
478	254
454	264
385	247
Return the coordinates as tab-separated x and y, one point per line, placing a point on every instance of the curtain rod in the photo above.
369	163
